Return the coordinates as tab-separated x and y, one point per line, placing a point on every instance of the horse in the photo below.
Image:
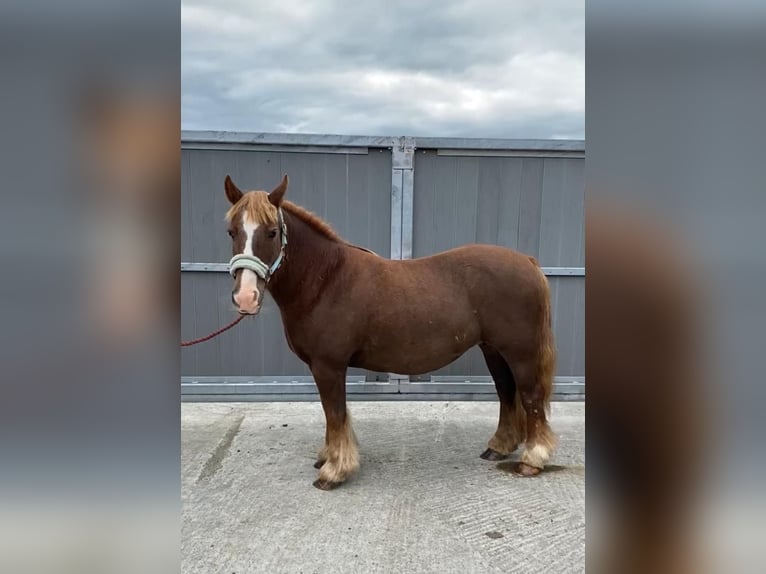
344	306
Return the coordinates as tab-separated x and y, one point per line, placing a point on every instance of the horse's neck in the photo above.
310	260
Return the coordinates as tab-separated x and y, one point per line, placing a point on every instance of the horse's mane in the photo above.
260	210
313	220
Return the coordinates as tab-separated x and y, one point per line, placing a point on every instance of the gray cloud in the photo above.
433	68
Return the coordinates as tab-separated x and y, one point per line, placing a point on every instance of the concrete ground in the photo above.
423	500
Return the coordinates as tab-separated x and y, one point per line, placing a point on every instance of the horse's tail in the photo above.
546	364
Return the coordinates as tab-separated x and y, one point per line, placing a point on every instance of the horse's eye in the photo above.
231	233
272	234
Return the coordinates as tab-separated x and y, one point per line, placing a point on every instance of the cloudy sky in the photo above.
473	68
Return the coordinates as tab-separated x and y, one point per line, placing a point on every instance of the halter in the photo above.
255	264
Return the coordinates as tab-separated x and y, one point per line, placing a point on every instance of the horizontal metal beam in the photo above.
193	137
198	138
574	386
243	386
224	268
274	148
260	380
209	267
286	397
559	380
477	388
499	144
510	153
564	271
257	388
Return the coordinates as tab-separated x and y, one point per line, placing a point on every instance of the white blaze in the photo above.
249	281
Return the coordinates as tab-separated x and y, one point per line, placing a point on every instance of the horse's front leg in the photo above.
340	453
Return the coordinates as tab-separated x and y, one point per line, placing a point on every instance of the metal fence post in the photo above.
402	184
402	204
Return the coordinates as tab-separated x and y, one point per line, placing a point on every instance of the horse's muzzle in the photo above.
247	302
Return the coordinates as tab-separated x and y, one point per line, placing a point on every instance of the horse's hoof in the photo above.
526	470
319	464
493	455
326	484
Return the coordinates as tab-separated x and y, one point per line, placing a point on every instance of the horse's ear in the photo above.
278	193
233	193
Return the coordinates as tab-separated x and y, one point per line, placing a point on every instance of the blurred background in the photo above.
675	205
89	400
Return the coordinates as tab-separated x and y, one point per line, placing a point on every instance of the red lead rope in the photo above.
213	334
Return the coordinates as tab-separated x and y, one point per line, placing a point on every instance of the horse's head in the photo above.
258	238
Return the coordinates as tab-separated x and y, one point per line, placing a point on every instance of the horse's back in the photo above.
460	282
469	263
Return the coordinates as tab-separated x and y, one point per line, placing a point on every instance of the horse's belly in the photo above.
413	362
412	353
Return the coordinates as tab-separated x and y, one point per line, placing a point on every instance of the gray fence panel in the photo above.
568	300
351	191
531	204
528	195
562	213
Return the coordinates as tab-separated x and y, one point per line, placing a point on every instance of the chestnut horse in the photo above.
342	306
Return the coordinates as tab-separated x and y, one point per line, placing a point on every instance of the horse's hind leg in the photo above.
340	453
534	381
511	429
